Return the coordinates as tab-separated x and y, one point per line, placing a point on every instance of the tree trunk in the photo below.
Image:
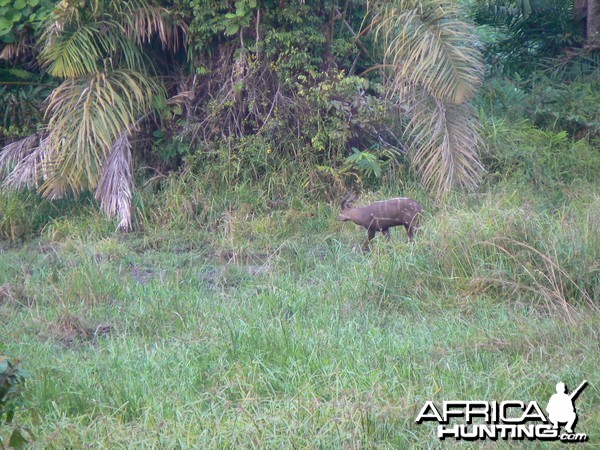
587	16
592	34
580	15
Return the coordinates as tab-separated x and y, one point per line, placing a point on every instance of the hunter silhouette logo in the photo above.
561	408
512	419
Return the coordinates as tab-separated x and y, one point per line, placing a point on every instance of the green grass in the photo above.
245	327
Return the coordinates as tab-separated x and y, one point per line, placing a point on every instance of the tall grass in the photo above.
248	317
226	323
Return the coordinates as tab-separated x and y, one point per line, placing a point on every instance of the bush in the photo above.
12	383
547	160
551	104
24	214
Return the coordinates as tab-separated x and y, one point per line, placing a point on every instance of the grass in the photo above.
248	327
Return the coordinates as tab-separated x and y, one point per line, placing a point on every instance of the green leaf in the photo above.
13	15
177	109
241	9
5	25
231	29
19	4
17	440
159	102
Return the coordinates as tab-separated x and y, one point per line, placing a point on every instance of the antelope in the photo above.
382	215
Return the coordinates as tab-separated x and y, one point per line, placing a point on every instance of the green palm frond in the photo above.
445	137
87	48
72	54
86	116
427	45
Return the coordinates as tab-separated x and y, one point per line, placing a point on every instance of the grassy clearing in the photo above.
242	326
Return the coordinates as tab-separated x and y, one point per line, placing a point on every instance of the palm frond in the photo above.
86	116
435	71
32	167
115	188
427	45
446	138
87	48
143	20
71	54
15	152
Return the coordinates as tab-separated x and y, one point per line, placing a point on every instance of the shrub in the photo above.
12	384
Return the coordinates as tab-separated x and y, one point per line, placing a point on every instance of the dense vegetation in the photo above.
172	273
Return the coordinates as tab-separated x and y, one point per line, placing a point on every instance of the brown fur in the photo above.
382	215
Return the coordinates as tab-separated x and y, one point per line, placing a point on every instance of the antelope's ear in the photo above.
349	200
342	218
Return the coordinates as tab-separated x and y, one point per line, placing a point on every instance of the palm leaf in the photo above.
16	151
435	71
71	54
446	138
115	188
427	45
143	20
86	48
85	118
32	166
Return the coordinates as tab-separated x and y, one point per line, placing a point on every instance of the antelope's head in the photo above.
347	203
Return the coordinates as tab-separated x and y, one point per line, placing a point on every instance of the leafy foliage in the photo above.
22	109
550	102
12	382
17	15
529	31
548	160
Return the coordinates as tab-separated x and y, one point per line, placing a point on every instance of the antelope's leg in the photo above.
410	230
366	247
412	227
386	233
371	234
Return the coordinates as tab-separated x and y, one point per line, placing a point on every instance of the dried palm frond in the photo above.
16	151
445	137
115	188
12	51
31	168
143	20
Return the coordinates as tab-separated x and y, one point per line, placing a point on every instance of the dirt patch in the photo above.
244	257
144	275
11	293
230	275
70	331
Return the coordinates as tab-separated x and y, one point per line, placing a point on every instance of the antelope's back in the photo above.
396	211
